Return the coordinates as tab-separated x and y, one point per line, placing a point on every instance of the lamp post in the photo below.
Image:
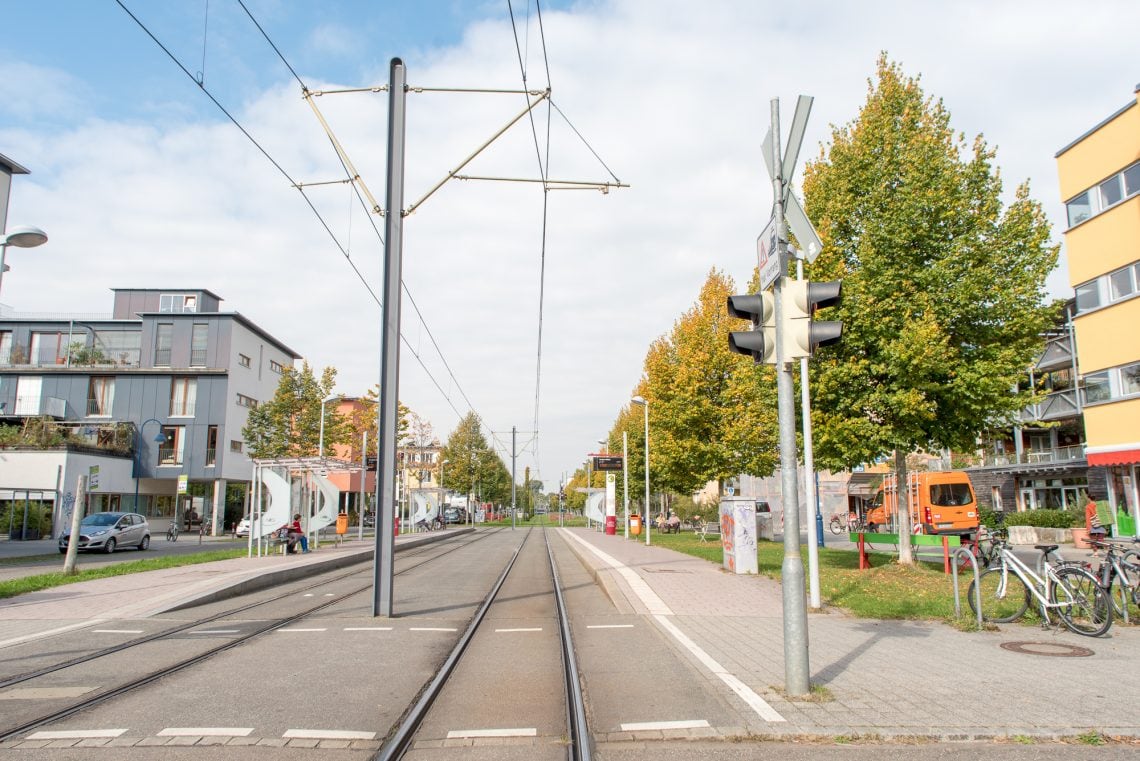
159	439
644	403
321	440
20	237
442	489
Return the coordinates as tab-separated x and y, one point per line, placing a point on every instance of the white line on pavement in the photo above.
116	631
329	734
302	630
206	732
49	632
430	629
533	629
647	596
75	734
368	628
522	732
642	726
610	626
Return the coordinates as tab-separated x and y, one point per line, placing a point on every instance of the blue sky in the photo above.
141	182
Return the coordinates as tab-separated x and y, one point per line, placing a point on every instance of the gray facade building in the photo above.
166	361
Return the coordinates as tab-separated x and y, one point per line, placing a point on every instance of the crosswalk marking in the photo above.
329	734
75	734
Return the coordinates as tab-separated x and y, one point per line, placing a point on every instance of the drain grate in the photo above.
1051	649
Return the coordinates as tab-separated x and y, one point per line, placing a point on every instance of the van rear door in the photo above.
950	508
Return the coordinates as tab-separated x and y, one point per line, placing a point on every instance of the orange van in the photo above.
941	502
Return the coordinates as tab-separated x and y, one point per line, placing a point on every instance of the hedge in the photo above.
1046	518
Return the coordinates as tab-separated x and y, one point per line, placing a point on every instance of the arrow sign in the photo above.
795	137
801	227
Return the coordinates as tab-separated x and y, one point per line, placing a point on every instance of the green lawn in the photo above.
43	581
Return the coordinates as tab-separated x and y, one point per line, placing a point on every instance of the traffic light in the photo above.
760	342
800	300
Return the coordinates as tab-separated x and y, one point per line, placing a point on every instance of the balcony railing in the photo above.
168	456
98	408
1055	406
1036	456
34	405
211	458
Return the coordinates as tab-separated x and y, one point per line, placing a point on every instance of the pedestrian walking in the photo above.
1097	532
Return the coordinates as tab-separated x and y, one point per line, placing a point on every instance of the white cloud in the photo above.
674	96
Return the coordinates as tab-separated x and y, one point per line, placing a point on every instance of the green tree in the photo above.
289	424
943	302
712	413
472	466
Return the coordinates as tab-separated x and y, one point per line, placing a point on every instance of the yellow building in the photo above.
1100	182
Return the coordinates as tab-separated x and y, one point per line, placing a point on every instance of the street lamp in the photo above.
321	444
442	489
159	439
20	237
642	401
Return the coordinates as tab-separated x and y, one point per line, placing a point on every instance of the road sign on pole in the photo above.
767	259
802	228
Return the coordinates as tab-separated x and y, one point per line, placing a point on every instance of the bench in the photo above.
708	529
920	540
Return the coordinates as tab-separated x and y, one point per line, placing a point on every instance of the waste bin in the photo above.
342	523
635	524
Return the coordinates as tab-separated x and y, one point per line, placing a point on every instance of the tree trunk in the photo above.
902	508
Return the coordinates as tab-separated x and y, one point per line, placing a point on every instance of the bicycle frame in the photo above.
1039	587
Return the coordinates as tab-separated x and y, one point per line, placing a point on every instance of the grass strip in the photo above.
43	581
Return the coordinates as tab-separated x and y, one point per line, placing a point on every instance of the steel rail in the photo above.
580	746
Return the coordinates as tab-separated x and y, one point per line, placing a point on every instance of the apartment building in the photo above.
167	365
1099	176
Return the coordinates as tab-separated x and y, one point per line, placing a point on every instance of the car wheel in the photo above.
109	547
145	543
62	550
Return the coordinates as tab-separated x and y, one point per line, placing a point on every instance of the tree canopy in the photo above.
472	466
289	424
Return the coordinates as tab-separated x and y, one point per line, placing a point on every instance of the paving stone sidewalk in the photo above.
886	678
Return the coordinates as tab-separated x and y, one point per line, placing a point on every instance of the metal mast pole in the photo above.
512	477
816	540
795	613
625	477
363	479
390	344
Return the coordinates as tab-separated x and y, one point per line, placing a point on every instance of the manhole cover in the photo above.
1053	649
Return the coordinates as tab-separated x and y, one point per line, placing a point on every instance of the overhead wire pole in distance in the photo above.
390	346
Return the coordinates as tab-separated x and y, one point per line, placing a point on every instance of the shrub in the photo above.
1046	518
990	518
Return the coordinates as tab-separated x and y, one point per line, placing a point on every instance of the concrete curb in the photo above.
603	577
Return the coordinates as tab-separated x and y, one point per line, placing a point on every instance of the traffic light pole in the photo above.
796	677
814	541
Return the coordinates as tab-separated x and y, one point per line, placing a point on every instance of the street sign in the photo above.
766	257
607	463
795	137
801	227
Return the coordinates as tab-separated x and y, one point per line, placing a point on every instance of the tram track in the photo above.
401	737
184	663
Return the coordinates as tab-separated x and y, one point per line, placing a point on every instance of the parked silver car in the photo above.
108	531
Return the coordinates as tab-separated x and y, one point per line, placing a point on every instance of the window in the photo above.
177	303
211	445
100	396
276	367
170	451
183	396
1098	387
1080	209
246	401
1131	180
122	346
48	349
235	446
243	360
1110	192
198	342
163	336
1130	379
5	347
1088	296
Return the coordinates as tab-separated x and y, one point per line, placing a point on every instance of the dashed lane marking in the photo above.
610	626
206	732
368	628
457	734
303	630
75	734
328	734
530	629
641	726
431	629
216	631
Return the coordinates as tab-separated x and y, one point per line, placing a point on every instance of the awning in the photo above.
863	484
1119	457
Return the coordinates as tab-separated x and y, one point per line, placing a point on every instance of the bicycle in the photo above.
1073	592
172	532
1119	574
840	526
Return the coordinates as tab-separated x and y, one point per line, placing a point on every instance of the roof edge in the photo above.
1133	104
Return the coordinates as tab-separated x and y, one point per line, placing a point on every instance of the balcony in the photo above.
1058	353
211	458
1036	456
98	408
1056	406
34	405
168	455
45	433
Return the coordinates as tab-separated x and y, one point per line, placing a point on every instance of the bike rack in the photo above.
965	552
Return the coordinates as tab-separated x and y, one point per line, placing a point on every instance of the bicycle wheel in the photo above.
1083	605
836	528
1000	606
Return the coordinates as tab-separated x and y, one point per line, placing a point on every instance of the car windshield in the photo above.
950	495
101	519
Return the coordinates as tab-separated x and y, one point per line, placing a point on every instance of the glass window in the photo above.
170	451
243	360
100	395
1098	387
211	445
183	396
198	340
5	347
1088	296
1132	180
276	367
1110	192
122	346
162	342
1130	379
235	446
950	495
1080	209
1120	283
48	349
246	401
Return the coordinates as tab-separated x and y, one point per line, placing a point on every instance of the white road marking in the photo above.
307	594
661	613
116	631
641	726
534	629
48	632
368	628
610	626
75	734
430	629
522	732
206	732
216	631
329	594
302	630
329	734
